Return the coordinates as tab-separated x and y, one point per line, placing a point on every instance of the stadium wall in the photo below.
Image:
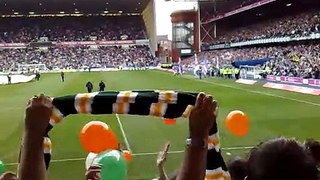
149	19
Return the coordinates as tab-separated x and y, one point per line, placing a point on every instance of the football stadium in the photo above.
102	60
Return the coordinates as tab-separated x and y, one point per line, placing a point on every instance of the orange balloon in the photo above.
169	121
96	137
127	155
237	123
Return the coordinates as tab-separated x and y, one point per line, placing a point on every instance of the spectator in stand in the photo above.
299	60
71	29
302	24
80	57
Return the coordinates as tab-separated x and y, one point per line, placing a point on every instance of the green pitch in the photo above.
273	113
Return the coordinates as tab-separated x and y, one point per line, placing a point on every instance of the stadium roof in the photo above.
69	6
223	6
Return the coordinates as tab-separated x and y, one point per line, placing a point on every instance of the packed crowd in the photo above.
297	25
77	57
293	60
296	61
17	30
277	159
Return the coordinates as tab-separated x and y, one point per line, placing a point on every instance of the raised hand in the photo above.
202	116
38	114
162	156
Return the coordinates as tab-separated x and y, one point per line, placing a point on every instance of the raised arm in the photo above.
37	116
201	119
162	157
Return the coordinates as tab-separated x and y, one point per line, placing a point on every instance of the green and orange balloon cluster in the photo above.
99	140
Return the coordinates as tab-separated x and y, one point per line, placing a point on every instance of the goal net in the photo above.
250	72
31	68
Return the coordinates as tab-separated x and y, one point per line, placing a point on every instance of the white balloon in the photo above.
89	159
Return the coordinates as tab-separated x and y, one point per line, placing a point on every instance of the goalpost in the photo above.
250	72
27	68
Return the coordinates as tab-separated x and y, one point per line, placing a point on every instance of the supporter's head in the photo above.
280	159
238	168
314	147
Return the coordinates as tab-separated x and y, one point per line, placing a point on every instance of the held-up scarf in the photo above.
166	104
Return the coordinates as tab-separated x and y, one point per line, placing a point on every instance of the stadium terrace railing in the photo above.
286	39
294	80
79	43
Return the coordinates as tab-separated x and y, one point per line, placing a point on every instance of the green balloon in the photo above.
2	168
113	165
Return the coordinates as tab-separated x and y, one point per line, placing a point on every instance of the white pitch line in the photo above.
177	152
156	153
258	92
123	133
238	148
137	154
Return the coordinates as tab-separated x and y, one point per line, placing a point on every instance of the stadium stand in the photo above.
257	21
290	38
64	30
300	60
78	57
295	25
24	30
74	35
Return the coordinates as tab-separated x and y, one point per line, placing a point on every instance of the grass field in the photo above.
273	113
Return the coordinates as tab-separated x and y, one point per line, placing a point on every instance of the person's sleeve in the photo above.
216	167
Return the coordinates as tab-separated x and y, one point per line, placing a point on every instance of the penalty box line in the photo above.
138	154
123	133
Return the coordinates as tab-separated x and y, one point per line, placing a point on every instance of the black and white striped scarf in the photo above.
166	104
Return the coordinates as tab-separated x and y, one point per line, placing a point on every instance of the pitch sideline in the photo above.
138	154
256	92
